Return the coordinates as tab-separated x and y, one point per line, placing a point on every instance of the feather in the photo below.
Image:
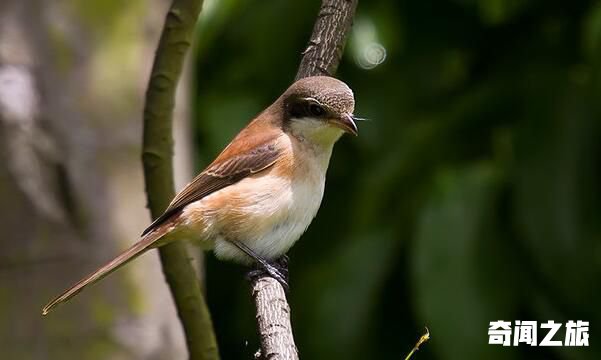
219	175
147	242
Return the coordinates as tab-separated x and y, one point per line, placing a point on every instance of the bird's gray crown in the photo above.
331	93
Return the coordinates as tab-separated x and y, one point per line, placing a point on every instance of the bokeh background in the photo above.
472	195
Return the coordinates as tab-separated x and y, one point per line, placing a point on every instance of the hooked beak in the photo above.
347	123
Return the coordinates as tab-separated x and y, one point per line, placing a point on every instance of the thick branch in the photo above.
273	320
326	45
158	172
320	58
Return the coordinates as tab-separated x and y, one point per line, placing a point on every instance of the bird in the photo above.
260	194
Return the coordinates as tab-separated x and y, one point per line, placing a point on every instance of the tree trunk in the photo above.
71	93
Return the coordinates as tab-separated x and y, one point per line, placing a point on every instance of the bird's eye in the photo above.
316	110
297	110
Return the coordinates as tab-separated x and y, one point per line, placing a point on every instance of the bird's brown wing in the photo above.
224	171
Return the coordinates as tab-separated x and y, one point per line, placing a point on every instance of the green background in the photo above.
471	196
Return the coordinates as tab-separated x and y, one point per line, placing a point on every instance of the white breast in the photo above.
269	211
299	205
277	210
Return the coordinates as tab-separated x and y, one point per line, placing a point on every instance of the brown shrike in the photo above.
261	193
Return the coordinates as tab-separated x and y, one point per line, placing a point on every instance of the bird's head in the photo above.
319	109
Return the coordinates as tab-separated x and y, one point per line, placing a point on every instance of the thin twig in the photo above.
321	57
157	159
419	343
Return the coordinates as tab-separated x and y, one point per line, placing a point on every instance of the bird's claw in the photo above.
277	270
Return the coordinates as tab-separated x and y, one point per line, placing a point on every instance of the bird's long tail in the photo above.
148	241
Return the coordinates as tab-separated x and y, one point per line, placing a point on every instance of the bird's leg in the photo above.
274	270
282	265
277	269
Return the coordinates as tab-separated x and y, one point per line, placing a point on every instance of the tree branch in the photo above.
157	159
321	57
326	45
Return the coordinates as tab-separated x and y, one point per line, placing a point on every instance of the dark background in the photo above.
472	194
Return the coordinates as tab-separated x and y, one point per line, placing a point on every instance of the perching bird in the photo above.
261	193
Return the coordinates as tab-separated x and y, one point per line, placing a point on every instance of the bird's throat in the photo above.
316	133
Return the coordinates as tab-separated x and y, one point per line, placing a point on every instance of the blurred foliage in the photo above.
473	194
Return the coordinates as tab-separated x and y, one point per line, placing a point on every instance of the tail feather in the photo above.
137	249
